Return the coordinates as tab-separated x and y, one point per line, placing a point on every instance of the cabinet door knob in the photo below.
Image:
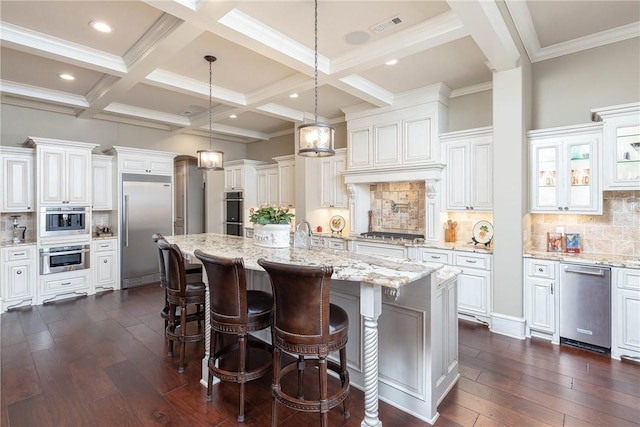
105	261
540	269
559	208
19	272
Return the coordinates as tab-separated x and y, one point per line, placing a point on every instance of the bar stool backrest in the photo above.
176	277
162	260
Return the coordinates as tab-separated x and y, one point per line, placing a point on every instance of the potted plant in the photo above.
271	226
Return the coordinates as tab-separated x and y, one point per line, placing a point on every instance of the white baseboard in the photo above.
508	325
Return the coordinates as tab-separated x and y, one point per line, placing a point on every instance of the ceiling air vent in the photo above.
385	25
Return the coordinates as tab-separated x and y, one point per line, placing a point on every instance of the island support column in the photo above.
370	310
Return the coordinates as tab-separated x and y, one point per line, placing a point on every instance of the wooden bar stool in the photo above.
180	295
235	311
194	277
306	325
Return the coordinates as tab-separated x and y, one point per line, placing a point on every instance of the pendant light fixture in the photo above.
315	139
210	159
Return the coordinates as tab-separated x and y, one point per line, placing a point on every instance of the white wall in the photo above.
565	89
18	123
471	111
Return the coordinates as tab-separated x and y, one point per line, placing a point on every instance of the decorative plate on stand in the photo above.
337	223
482	233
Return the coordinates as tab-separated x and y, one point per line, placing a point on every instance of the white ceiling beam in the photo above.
34	92
485	24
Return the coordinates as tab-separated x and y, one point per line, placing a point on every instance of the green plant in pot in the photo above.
270	214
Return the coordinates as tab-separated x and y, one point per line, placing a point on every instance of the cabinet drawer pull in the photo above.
19	254
105	246
435	257
65	283
471	261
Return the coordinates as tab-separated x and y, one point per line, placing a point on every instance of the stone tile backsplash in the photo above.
27	219
405	219
616	232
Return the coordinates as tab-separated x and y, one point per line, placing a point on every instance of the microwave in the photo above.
64	221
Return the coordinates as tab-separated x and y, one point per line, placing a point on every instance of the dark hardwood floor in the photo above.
101	361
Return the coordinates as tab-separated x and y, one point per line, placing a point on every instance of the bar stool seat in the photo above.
307	325
235	311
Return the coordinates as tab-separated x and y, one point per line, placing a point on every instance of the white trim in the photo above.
480	87
38	93
508	325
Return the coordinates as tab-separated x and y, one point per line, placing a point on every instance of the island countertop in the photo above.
376	270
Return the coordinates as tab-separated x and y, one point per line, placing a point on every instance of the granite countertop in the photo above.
586	258
373	269
6	243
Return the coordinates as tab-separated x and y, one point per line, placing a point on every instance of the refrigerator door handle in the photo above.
126	221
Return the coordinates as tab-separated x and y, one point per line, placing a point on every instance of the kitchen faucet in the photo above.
303	235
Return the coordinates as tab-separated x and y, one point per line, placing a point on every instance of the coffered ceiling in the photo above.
150	69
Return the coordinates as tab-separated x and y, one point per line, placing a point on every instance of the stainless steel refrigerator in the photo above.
146	210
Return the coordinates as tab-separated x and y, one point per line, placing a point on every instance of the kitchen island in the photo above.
405	349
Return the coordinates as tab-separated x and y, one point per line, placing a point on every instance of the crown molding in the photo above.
34	92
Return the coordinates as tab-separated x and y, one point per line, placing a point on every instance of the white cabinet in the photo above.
142	161
16	169
620	146
376	248
474	285
469	173
286	180
564	170
233	177
58	286
626	313
102	183
406	136
328	242
64	175
440	256
18	276
104	264
444	329
267	185
540	301
333	192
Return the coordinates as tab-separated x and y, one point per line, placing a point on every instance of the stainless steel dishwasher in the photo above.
585	306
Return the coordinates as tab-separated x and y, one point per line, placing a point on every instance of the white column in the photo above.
370	309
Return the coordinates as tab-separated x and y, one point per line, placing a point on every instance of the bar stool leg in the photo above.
213	335
344	378
324	410
275	385
183	333
242	359
302	364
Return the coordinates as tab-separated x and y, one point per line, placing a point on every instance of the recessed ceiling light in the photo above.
233	116
293	95
66	76
391	62
102	27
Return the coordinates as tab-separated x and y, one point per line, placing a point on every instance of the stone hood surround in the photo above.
393	273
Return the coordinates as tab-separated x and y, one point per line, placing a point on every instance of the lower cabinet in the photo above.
58	286
18	276
625	337
541	301
104	264
474	285
385	249
329	242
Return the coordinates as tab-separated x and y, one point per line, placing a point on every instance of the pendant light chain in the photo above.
315	105
210	107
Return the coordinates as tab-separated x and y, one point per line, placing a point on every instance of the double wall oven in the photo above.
65	235
233	223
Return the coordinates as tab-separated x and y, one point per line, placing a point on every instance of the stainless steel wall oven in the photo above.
233	213
58	259
64	221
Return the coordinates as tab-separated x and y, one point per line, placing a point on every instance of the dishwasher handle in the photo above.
593	271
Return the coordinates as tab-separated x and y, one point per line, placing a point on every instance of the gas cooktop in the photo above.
384	235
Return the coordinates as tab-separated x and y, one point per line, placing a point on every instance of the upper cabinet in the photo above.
64	171
16	165
621	146
102	182
333	193
141	161
402	137
267	188
240	175
286	180
564	173
469	172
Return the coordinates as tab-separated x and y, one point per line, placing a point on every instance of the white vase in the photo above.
272	235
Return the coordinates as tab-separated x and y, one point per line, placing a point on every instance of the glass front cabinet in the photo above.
564	169
621	146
